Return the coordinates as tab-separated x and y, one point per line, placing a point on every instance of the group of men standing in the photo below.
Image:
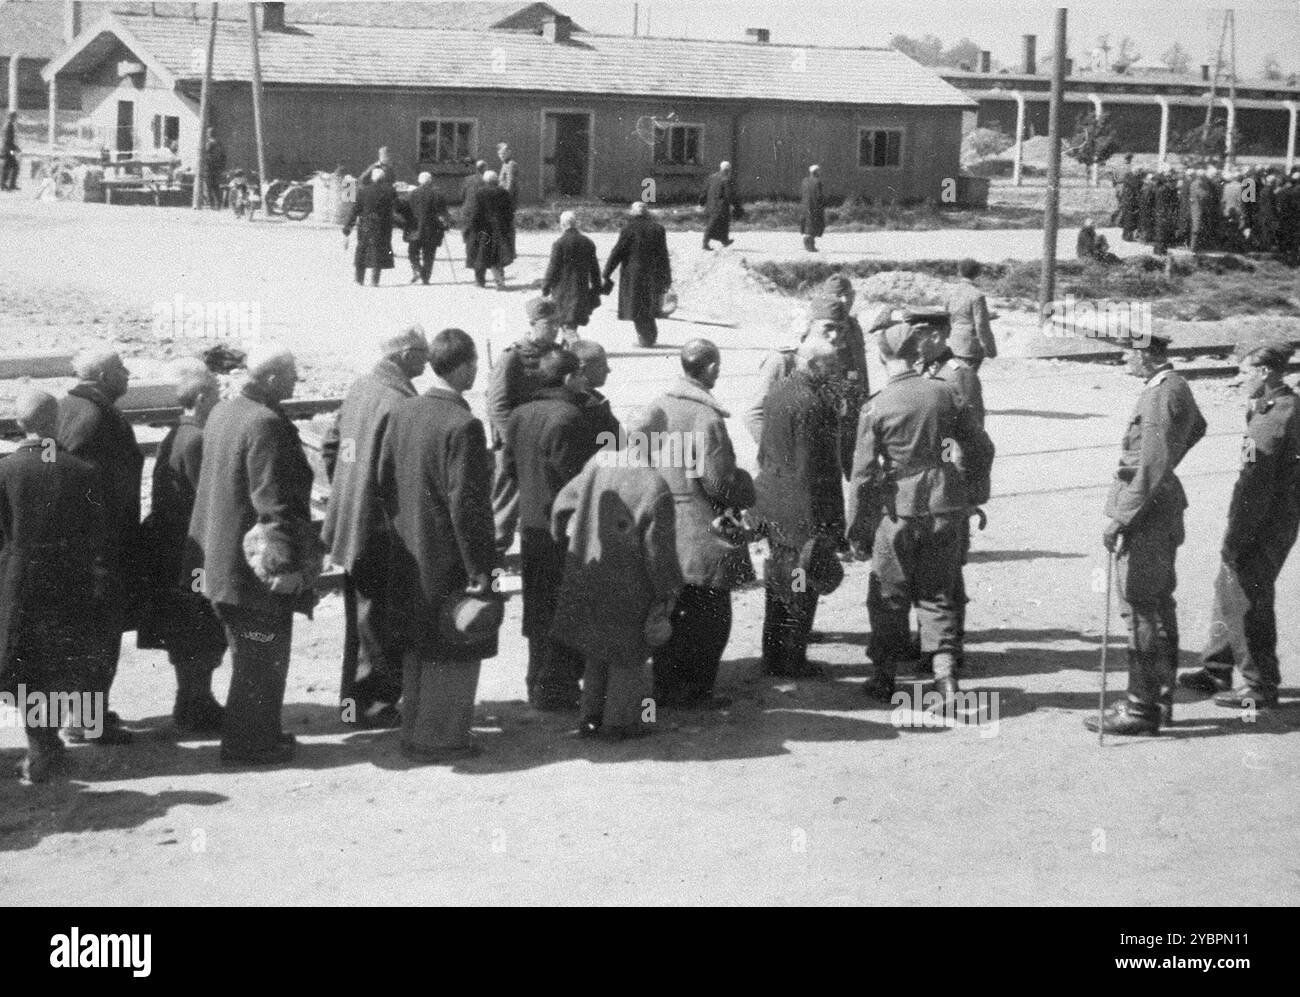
1208	209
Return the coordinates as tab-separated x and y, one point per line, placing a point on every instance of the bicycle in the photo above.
291	198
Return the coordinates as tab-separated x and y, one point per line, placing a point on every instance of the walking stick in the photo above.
1105	644
451	263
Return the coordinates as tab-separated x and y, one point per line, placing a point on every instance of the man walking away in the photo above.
1145	507
357	532
434	478
719	201
812	216
429	220
490	232
645	272
572	277
214	168
372	215
1262	524
9	171
971	334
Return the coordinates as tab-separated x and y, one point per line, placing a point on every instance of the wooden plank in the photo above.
36	363
295	408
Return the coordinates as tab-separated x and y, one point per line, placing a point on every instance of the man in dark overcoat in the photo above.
812	208
489	231
52	540
181	619
357	533
694	454
372	214
9	153
214	168
434	481
92	427
800	505
572	278
469	184
513	382
428	220
1146	505
719	201
548	440
1263	520
254	473
645	272
593	364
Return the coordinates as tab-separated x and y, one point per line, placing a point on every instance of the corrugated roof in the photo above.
605	64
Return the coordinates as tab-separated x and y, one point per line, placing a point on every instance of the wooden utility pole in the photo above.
1214	84
201	166
1051	211
262	179
1229	147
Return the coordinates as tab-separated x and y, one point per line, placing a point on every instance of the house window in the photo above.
447	140
678	145
166	130
880	147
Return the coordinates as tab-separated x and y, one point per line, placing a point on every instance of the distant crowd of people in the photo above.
1207	209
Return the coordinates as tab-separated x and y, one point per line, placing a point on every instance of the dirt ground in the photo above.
802	792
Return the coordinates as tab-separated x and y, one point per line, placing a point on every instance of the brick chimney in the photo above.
272	17
1205	72
71	21
759	36
986	61
557	28
1029	58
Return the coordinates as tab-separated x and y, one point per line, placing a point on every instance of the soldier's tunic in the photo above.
908	497
1147	498
1262	524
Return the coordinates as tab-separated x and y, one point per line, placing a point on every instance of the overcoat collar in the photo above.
692	390
392	376
442	394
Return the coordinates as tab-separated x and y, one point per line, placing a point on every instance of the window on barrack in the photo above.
447	140
880	147
678	145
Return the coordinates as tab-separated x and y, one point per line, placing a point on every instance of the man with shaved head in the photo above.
180	619
52	535
254	473
695	457
488	221
645	272
372	214
357	534
572	277
427	221
91	426
719	201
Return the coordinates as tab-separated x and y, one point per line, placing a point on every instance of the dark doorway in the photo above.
125	128
566	154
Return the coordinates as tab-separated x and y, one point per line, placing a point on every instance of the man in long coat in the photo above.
93	428
509	172
254	474
470	183
1263	521
548	440
372	215
1145	506
572	278
434	481
9	154
182	620
489	231
357	533
615	521
812	208
800	505
695	457
719	202
214	168
645	272
52	538
428	220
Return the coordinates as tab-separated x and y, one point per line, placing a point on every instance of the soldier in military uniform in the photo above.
514	381
907	503
1262	524
1145	507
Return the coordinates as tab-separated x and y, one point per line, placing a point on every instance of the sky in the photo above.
1271	27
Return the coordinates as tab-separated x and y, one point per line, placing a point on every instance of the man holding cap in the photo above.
1145	507
514	381
1262	524
908	500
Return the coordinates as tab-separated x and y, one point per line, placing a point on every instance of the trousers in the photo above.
788	613
686	667
647	331
372	656
259	658
438	702
422	255
614	692
1147	580
1243	631
505	504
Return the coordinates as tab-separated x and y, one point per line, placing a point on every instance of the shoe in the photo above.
589	728
415	278
285	747
625	733
947	688
204	716
645	344
113	733
1121	721
805	670
879	687
1245	698
38	766
728	242
380	716
1207	680
441	756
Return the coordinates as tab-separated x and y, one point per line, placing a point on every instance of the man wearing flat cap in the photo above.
357	532
1262	524
908	501
514	382
1145	507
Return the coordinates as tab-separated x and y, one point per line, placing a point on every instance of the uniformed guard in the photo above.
907	501
1262	524
1145	507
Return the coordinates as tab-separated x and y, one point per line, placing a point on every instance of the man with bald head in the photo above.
719	201
372	214
488	220
357	534
572	277
427	219
180	619
52	536
695	457
800	504
645	272
91	426
253	473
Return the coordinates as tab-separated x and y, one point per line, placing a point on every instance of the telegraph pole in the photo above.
257	100
1051	212
201	170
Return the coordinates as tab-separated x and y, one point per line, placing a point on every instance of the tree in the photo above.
1272	68
1198	147
1125	55
1093	142
1176	58
927	51
965	52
